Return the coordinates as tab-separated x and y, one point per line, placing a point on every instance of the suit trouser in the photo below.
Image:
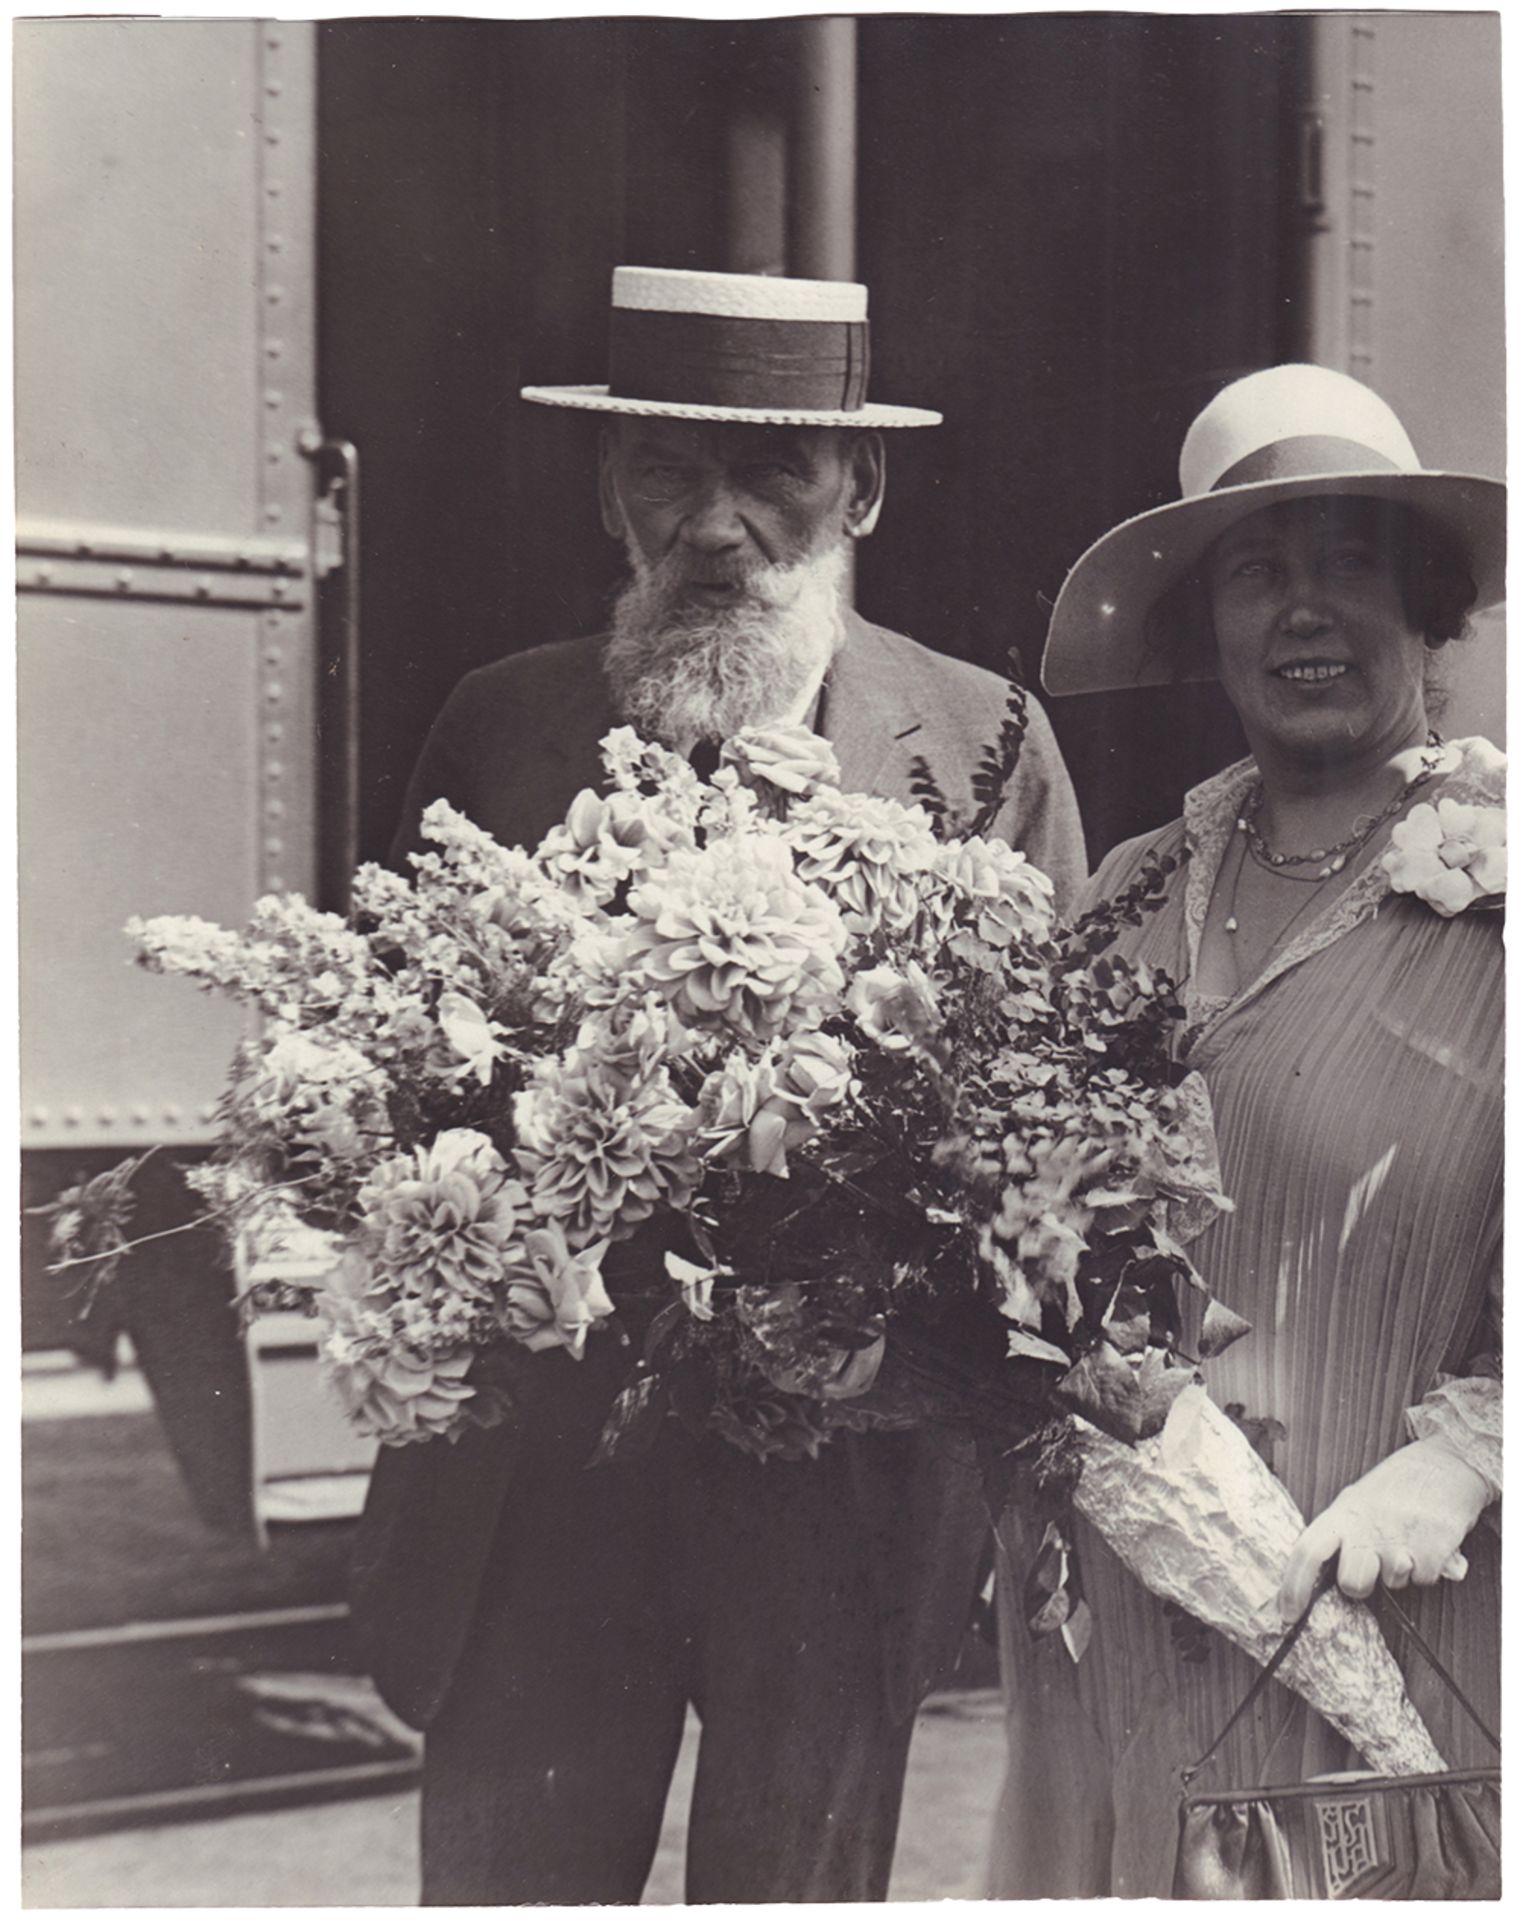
618	1595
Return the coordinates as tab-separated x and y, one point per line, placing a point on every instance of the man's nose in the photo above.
715	522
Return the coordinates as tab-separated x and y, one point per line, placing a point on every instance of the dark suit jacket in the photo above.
514	744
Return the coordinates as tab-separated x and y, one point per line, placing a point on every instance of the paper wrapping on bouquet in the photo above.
1199	1518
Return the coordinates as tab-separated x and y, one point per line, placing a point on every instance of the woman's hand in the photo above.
1404	1520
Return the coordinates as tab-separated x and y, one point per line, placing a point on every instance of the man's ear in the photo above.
612	507
868	484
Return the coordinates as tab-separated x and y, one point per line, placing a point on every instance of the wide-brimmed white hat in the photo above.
1286	433
742	347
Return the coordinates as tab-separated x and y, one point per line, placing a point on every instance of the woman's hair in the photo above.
1435	585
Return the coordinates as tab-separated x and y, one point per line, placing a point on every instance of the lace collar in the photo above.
1470	770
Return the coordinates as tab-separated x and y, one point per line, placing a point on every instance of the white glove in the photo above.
1404	1520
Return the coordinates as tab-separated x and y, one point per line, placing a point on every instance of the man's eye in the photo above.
767	473
1351	560
660	484
1255	567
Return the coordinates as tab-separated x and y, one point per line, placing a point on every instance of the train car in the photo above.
254	259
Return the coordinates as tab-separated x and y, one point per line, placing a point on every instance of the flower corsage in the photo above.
1451	854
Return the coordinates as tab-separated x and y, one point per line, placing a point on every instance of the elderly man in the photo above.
549	1626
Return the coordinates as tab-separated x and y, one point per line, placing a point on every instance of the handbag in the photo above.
1430	1836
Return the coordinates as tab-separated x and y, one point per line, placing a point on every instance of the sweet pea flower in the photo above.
696	1284
747	1120
812	1075
559	1297
471	1035
814	1070
599	844
899	1011
795	760
1449	854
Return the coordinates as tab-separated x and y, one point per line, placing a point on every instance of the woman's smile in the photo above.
1313	672
1315	647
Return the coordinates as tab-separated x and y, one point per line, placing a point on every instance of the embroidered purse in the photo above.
1432	1836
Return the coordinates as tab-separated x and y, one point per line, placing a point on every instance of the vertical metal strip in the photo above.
278	635
1360	276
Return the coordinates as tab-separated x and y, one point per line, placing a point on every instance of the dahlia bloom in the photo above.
731	937
441	1219
598	1154
1450	854
555	1295
995	895
632	1038
869	854
394	1393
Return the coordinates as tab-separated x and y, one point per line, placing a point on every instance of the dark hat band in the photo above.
1300	457
714	360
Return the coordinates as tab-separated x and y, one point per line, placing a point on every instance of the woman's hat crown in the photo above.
1284	433
1288	420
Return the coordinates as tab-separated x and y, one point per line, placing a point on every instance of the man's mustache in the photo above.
765	584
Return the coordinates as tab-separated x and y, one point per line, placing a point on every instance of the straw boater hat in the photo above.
1284	434
744	347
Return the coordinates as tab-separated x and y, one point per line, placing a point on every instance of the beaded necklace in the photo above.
1330	860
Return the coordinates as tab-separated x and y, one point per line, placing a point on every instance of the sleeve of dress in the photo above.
1466	1410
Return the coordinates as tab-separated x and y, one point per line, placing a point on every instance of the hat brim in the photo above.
1097	641
599	400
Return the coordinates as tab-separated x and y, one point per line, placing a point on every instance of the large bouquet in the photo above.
803	1091
810	1090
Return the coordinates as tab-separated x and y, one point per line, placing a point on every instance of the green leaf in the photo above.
1024	1345
634	1422
1122	1399
1221	1328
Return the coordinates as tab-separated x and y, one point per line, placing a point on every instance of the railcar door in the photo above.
164	549
178	528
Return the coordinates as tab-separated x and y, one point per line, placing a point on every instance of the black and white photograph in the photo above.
761	847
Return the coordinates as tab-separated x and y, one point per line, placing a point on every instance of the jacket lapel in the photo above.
867	718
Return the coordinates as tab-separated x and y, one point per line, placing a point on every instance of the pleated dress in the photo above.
1357	1093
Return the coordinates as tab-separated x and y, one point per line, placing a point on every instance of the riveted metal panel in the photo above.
165	353
1406	260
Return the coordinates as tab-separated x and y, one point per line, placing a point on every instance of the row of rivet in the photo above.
1362	166
138	1116
153	586
271	316
157	553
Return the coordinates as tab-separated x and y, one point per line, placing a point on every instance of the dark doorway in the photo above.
1074	228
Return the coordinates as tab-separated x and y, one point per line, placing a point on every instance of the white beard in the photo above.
681	672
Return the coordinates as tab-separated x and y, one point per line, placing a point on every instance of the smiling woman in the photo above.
1435	584
1344	1004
